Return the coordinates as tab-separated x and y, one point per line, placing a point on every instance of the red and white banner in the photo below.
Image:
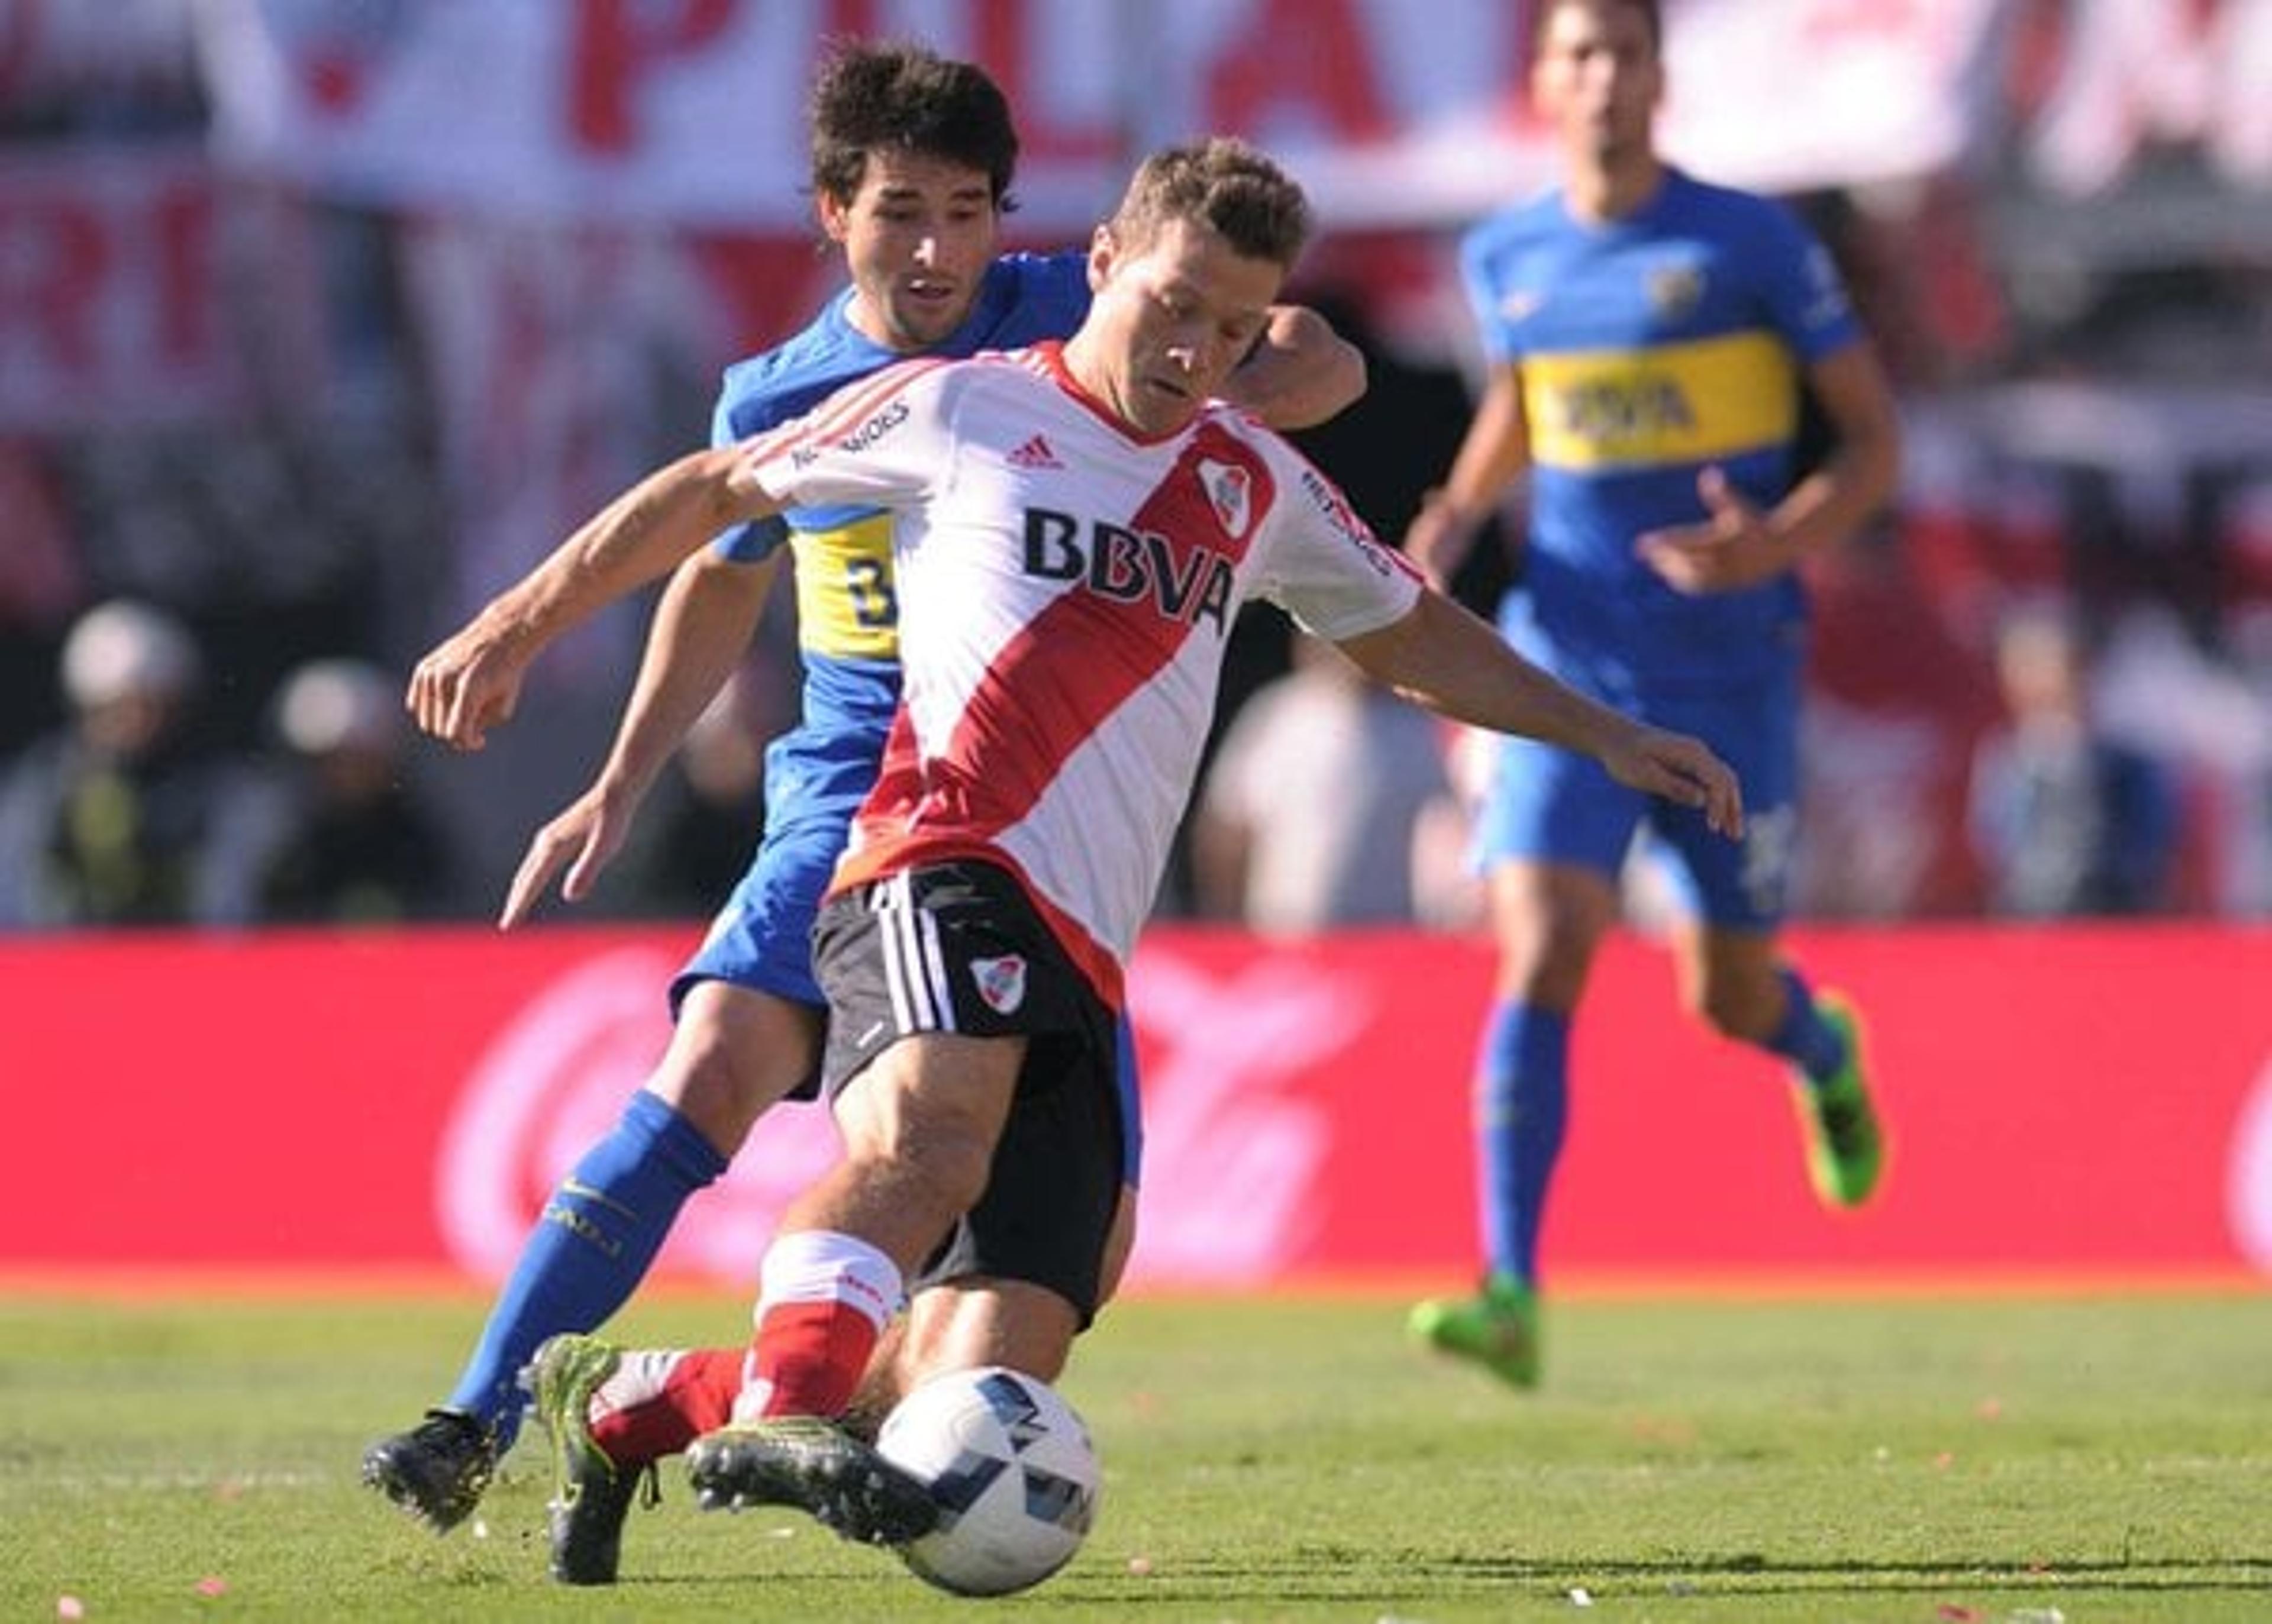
117	271
693	110
2080	1103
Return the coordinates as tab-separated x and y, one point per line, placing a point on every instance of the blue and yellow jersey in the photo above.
847	615
1650	348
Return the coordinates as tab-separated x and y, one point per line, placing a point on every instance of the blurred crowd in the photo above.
2041	686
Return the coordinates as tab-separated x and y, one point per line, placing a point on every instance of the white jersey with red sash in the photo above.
1066	590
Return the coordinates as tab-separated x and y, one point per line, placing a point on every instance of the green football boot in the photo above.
1498	1329
592	1495
1845	1146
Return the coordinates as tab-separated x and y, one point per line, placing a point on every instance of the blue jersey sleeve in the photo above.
1806	299
1481	257
734	419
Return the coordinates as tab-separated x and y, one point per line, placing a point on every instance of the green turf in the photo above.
1687	1460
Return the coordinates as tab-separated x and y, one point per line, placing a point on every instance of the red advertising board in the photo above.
2069	1103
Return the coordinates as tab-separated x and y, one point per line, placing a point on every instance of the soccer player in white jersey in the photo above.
912	160
1077	527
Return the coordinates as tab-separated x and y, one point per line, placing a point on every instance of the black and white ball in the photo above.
1014	1471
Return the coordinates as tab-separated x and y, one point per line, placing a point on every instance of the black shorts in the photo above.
959	947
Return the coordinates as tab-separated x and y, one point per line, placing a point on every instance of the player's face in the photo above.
1170	319
918	236
1598	76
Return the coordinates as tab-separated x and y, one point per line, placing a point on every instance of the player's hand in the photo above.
466	685
1681	769
584	837
1733	547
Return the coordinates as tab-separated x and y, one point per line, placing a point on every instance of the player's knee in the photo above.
1544	958
721	1098
723	1071
1733	1010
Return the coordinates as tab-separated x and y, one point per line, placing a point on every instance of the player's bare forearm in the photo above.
1301	371
702	627
1858	477
1451	661
1495	450
471	681
647	530
1445	658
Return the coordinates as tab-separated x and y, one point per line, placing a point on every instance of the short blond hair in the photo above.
1224	184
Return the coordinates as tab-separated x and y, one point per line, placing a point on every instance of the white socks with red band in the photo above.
823	1299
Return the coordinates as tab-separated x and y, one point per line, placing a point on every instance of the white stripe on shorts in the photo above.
914	968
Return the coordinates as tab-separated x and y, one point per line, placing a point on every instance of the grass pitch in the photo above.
1690	1459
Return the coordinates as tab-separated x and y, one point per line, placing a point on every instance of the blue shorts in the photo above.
1547	804
762	938
816	775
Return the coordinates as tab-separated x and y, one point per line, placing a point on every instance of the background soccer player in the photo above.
1080	525
912	159
1648	336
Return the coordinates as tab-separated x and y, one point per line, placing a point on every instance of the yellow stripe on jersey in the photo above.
1674	403
845	604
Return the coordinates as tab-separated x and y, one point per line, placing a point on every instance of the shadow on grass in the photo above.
1329	1574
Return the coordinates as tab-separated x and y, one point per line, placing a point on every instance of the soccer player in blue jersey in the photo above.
1648	335
912	157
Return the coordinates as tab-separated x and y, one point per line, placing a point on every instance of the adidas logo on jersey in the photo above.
1034	454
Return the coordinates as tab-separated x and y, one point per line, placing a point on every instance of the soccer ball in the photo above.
1013	1470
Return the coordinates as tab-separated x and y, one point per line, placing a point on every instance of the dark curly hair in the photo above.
908	98
1651	12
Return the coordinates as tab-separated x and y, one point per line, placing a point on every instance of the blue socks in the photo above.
589	1250
1804	1038
1522	1095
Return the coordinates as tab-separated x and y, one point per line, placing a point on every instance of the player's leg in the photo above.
1552	833
996	1293
1047	1244
1731	970
984	1143
733	1054
1739	983
981	1319
612	1413
920	1124
919	1127
746	1033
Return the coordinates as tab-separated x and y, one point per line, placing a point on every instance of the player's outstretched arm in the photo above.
1301	371
1443	657
471	681
702	627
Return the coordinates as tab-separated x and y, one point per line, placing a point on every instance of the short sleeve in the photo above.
880	442
755	541
1326	568
1806	295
